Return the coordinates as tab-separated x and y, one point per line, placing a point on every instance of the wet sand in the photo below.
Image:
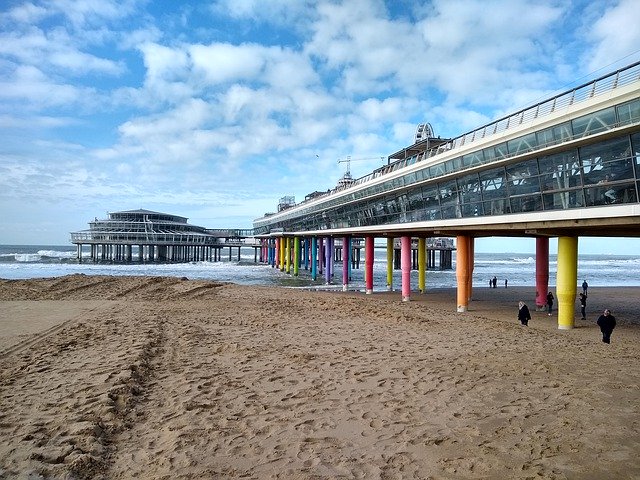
149	377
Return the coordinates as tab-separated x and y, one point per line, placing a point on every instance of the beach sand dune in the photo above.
164	378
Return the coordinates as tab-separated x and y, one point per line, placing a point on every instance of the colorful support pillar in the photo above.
462	271
567	279
287	254
542	272
346	260
321	248
471	265
422	264
305	252
328	258
314	258
332	253
282	252
390	263
405	263
296	256
369	244
350	258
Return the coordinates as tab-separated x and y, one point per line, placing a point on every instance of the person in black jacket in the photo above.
583	306
549	303
523	313
607	323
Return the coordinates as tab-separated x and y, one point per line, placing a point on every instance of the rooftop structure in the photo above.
154	236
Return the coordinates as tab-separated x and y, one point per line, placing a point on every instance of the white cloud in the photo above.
616	35
221	63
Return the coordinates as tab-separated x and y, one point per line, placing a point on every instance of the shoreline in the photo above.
115	377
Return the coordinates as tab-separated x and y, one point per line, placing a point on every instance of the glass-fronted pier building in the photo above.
566	167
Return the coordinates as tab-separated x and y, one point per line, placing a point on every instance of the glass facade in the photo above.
600	173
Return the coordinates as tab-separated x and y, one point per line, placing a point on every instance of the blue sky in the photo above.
215	110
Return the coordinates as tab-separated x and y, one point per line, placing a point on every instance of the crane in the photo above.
348	161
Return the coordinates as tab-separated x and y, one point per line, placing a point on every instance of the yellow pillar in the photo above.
283	243
390	263
462	271
296	256
422	264
567	279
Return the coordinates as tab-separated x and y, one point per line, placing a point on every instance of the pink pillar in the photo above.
542	271
471	264
368	263
277	253
405	263
320	254
345	263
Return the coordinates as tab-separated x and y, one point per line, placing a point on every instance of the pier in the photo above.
148	236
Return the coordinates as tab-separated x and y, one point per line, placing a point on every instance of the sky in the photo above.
214	110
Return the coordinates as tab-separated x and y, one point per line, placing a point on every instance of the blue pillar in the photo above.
314	258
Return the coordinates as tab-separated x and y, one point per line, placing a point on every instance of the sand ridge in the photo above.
171	378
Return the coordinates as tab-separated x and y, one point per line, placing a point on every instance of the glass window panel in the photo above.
433	213
601	160
469	188
563	132
410	178
431	198
594	123
450	165
606	193
526	203
522	144
493	183
473	159
448	192
451	211
501	151
635	141
437	170
497	206
629	112
560	171
523	177
563	200
545	137
474	209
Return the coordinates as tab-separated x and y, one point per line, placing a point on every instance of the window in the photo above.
594	123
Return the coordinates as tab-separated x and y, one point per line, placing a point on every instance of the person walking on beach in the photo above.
495	282
583	305
549	303
505	283
585	285
607	323
523	313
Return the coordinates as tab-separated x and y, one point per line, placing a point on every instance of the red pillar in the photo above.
368	263
405	264
542	271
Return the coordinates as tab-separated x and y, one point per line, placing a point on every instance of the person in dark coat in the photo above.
585	285
549	303
607	323
583	305
523	313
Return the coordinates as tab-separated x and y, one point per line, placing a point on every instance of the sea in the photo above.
42	261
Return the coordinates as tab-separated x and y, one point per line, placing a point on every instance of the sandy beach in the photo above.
165	378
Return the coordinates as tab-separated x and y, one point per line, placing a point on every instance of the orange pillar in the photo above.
462	271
